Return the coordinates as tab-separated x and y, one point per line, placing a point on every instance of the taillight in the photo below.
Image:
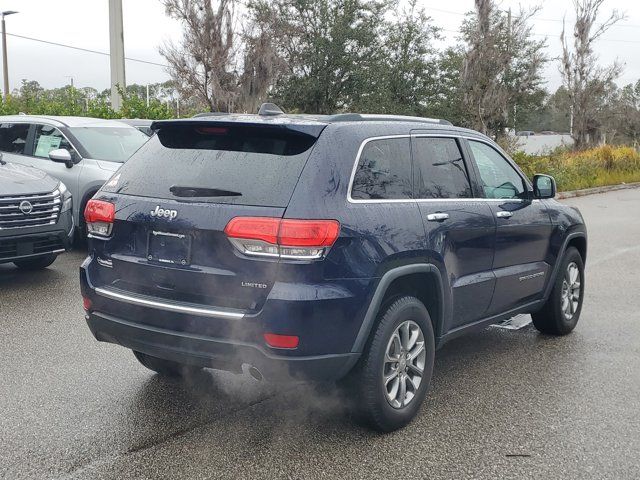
99	216
283	238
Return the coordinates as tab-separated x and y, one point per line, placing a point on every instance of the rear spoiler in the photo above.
282	124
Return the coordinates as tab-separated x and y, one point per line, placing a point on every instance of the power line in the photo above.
84	49
615	25
97	52
557	36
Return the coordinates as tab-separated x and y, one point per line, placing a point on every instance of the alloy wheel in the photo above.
404	364
571	291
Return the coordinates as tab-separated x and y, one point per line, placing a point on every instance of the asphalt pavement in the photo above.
503	404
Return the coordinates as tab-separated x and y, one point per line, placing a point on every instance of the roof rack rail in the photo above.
210	114
360	117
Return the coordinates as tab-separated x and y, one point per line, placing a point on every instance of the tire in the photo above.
561	312
38	263
375	397
166	368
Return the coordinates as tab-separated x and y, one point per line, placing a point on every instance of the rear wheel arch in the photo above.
422	281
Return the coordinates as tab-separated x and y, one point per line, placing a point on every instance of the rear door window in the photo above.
384	170
220	164
439	169
13	137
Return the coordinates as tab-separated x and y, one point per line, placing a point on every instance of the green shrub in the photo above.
605	165
71	101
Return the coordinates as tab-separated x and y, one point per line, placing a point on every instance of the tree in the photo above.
406	76
448	99
502	69
552	115
30	93
628	113
332	49
225	69
583	78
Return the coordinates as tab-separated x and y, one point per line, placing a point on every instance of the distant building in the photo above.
542	144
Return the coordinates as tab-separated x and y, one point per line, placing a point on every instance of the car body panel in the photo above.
17	179
20	237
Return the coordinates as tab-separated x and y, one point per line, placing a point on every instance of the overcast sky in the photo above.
85	23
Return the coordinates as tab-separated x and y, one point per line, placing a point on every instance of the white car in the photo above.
81	152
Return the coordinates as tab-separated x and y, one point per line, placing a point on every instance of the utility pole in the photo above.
5	66
147	95
509	36
116	49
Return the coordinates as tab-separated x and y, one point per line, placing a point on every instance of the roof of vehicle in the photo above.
314	124
284	118
136	122
62	121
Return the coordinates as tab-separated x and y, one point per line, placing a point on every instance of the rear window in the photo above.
219	164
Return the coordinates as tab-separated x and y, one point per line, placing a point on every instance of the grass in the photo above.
595	167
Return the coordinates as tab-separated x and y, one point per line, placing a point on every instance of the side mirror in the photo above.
544	186
61	155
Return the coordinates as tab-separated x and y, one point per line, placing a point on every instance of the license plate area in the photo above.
168	247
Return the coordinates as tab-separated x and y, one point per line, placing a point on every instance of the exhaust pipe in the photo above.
255	373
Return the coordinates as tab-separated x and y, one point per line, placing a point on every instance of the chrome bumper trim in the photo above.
170	307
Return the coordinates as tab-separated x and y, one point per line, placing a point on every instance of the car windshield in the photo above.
116	144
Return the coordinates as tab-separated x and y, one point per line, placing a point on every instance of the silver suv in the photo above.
81	152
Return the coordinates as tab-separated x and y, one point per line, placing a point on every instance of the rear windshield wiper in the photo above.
202	192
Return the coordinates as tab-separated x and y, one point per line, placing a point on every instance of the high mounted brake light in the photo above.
284	238
212	130
99	216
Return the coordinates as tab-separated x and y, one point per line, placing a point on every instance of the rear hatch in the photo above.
174	198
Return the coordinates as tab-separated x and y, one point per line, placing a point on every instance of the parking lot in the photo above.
504	404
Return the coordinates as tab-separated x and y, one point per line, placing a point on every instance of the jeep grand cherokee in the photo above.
324	247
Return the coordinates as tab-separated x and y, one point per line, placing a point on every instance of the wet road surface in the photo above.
503	404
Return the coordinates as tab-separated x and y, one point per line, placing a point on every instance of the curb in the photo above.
595	190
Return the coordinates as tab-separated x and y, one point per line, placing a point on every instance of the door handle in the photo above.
504	214
437	217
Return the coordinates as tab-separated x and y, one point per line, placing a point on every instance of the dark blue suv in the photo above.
346	247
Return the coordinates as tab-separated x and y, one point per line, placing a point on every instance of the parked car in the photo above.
346	247
143	125
81	152
36	223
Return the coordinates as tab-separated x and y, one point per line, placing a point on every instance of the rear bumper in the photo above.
326	317
15	244
221	354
